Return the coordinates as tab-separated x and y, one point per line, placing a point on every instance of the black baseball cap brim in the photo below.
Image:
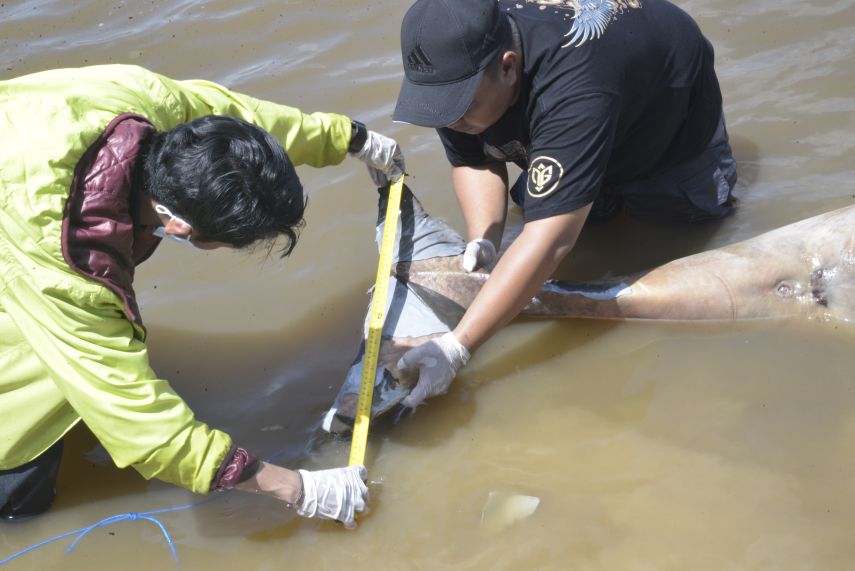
435	105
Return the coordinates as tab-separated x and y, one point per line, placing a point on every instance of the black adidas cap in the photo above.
446	45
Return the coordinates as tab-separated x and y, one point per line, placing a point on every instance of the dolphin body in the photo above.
802	270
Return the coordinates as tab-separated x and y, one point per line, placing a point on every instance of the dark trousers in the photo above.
699	189
30	489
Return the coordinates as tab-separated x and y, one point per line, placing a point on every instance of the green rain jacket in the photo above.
67	350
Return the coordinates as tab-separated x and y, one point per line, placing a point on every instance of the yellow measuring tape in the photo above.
375	325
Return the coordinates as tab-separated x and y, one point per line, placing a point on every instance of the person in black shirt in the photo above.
604	104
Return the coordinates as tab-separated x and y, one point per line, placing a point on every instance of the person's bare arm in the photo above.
482	193
529	262
276	481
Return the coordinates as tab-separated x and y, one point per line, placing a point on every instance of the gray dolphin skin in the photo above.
802	270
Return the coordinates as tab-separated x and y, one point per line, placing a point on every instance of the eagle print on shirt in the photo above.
590	17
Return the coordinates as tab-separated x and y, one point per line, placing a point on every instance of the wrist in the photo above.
456	351
276	481
297	500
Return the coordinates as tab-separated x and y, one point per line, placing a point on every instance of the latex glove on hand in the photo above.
383	154
438	361
378	177
335	494
480	253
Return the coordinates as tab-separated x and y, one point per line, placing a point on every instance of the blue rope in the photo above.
132	516
147	516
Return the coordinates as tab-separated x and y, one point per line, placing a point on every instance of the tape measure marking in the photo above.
375	325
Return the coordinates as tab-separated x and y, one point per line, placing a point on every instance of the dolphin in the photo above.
802	270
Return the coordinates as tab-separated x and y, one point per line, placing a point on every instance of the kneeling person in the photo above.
602	104
98	164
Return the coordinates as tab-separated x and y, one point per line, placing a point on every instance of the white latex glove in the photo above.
438	361
480	253
334	494
378	177
382	153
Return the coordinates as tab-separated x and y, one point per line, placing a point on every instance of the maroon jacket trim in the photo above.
99	238
238	466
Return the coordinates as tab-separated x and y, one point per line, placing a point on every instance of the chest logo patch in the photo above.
544	174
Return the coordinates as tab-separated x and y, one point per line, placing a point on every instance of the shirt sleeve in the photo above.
316	139
88	348
570	150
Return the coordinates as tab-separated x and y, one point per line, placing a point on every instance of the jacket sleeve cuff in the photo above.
238	466
358	136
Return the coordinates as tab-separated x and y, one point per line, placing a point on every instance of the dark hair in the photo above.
229	179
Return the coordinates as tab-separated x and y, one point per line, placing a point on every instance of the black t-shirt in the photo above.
637	96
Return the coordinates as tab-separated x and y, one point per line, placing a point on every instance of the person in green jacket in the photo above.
97	164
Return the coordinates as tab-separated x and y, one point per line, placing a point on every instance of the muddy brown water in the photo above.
650	445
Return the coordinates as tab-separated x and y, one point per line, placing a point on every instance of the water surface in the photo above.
651	446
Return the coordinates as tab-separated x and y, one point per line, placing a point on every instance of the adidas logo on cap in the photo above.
418	61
